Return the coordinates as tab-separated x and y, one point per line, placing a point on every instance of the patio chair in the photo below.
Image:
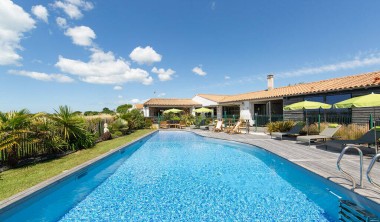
327	133
182	124
295	130
219	126
235	129
368	138
164	125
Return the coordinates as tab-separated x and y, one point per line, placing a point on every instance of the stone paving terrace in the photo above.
313	158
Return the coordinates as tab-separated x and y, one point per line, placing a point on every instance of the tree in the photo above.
13	129
71	127
107	111
135	119
123	108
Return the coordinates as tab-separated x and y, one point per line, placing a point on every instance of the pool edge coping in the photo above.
9	202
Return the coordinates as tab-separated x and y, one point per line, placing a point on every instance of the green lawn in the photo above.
16	180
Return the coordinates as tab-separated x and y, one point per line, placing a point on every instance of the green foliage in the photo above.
176	118
280	126
70	126
188	118
118	133
123	108
14	120
78	113
107	111
120	125
167	116
198	120
148	123
135	119
91	113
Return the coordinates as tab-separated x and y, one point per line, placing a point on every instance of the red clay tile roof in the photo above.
139	106
171	102
213	97
365	80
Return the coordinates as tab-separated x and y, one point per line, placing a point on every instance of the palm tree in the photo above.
14	127
70	125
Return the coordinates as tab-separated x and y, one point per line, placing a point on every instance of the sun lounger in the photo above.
293	131
367	139
327	133
219	126
235	129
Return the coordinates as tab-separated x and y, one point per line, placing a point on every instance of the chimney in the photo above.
270	79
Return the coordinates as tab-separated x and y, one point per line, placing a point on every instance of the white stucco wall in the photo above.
146	111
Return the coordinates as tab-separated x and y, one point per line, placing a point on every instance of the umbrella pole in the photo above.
307	132
374	127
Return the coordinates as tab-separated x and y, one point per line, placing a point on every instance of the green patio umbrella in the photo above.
203	110
370	100
173	111
305	105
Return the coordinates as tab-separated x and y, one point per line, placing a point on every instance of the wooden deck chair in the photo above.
219	126
236	128
164	124
182	124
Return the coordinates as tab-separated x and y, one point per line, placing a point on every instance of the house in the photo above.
267	105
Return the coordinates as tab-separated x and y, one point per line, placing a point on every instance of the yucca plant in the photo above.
70	126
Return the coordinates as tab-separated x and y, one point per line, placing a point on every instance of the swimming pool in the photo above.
180	176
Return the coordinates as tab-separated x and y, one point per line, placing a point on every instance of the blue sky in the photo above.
94	54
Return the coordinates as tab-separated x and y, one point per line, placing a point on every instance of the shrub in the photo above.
106	136
188	118
135	119
351	131
119	125
148	123
280	126
175	118
118	133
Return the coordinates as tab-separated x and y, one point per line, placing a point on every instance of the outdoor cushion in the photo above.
333	125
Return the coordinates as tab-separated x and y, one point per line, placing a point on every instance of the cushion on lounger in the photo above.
333	125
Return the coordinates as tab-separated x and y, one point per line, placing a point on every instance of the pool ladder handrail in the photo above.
373	161
361	165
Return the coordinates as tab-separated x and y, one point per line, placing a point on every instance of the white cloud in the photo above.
14	23
73	8
213	5
104	68
134	101
357	62
120	96
42	76
61	22
227	77
117	88
40	12
81	35
198	70
162	74
145	55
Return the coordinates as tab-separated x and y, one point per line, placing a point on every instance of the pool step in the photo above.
351	212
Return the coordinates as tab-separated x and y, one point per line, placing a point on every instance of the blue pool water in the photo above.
179	176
